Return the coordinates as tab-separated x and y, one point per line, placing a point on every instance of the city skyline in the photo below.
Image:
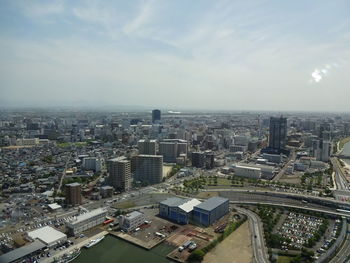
261	55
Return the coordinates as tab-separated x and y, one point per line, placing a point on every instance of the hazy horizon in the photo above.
213	55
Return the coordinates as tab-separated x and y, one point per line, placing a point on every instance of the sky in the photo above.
200	54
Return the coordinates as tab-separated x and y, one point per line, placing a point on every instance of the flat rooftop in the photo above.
211	203
173	201
47	235
188	206
118	159
54	206
88	215
22	252
73	184
133	214
247	167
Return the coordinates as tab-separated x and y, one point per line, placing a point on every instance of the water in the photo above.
112	249
346	151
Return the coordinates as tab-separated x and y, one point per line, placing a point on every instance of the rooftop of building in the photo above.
54	206
211	203
247	167
118	159
189	204
73	184
22	251
149	156
88	215
133	215
173	201
46	234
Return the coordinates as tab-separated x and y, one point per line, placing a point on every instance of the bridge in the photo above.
341	156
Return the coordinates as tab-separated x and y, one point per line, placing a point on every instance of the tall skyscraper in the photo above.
149	168
278	133
156	116
147	147
321	150
73	194
119	173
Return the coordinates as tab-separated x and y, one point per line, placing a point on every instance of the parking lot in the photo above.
299	228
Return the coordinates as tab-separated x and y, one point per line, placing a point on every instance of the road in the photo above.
258	243
64	173
340	179
281	173
322	201
343	253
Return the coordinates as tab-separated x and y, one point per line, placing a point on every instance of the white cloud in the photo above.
316	75
143	17
40	8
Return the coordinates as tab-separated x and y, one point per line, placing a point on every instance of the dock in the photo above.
144	244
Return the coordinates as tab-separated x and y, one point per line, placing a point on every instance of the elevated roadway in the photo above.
266	194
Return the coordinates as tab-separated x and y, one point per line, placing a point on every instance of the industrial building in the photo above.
130	222
19	254
48	235
177	209
86	221
148	168
210	210
247	171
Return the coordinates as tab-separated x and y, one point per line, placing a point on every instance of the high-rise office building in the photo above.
324	131
156	116
321	150
198	159
278	133
149	168
119	170
147	147
73	194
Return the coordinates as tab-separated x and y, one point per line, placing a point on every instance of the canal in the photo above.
112	249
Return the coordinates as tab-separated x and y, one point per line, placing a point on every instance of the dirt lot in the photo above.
237	244
291	178
207	194
166	170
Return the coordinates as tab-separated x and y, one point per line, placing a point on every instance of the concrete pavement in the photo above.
258	244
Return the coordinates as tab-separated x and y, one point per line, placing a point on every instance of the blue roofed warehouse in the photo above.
211	210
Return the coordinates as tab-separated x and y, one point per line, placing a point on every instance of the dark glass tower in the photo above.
278	133
155	116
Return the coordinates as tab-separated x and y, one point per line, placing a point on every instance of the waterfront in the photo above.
113	249
346	151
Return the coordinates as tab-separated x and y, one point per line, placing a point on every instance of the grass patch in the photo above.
68	144
125	205
284	259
